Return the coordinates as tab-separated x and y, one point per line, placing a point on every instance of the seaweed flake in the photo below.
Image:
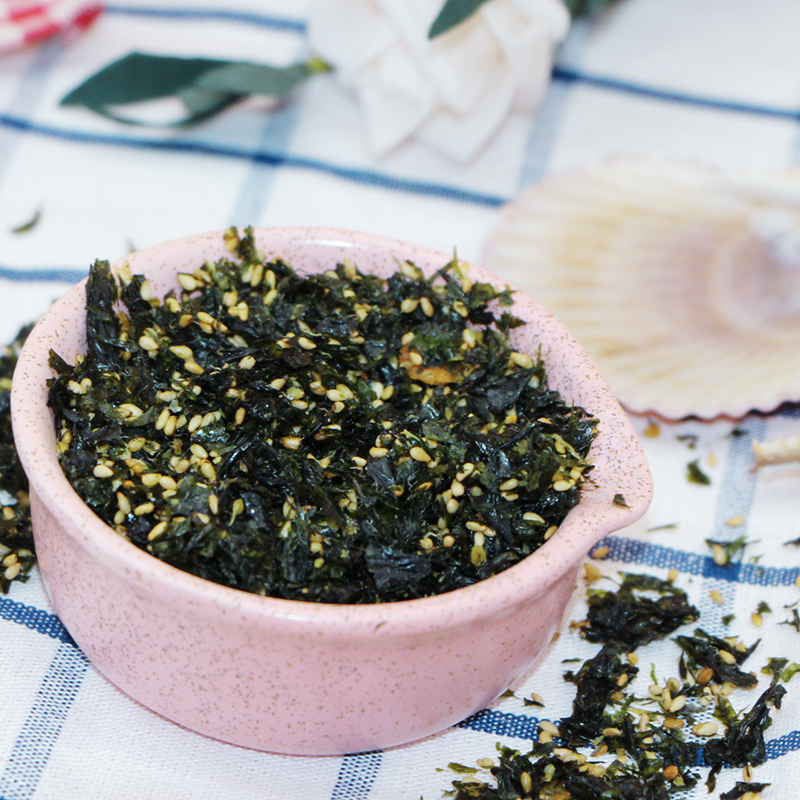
631	616
334	438
16	537
695	475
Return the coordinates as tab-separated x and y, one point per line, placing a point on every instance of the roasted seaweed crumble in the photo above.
16	538
619	746
338	438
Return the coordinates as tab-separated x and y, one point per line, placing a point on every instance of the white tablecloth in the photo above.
713	81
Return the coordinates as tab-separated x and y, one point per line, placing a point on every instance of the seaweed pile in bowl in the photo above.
336	437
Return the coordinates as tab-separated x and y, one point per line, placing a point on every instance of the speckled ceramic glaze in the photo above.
288	676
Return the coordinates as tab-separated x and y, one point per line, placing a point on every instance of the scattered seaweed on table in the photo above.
618	746
17	555
336	438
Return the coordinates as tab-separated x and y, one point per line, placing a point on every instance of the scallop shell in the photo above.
682	283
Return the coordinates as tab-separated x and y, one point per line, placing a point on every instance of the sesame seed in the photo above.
717	597
672	575
521	359
102	471
144	508
130	411
408	306
213	504
508	485
248	362
149	344
193	367
167	483
187	282
531	516
719	555
548	726
452	505
306	343
705	729
415	357
562	486
418	454
525	782
705	675
460	309
548	534
408	337
291	442
171	424
207	471
671	723
378	452
448	540
150	479
592	573
426	306
727	657
677	704
735	521
600	553
157	530
757	620
123	503
334	395
240	414
12	571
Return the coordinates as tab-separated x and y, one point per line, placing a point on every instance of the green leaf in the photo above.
246	78
453	13
585	8
138	77
205	86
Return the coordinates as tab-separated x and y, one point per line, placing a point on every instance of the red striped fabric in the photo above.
27	22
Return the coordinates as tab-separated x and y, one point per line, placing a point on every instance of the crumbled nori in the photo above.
742	788
272	501
632	618
16	537
696	475
703	650
743	741
653	760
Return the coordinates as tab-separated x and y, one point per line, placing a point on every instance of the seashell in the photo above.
682	283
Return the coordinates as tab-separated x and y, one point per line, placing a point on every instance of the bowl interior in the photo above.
619	463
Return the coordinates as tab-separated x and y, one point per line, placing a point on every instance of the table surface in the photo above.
711	81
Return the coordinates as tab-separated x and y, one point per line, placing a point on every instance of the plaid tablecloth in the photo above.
713	81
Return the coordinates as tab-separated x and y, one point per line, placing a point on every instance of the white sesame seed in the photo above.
248	362
102	471
157	530
418	454
187	282
426	306
705	729
148	343
306	343
521	359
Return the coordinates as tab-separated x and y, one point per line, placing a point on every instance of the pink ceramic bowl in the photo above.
288	676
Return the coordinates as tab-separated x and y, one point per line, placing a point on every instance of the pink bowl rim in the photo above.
494	595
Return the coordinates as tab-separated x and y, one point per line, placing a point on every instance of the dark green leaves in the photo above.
453	13
586	8
206	86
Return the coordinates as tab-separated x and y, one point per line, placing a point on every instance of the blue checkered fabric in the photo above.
702	80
